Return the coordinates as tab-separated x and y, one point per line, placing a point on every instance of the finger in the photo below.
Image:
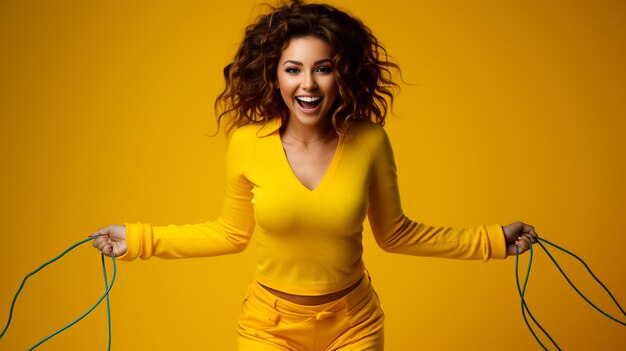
115	251
529	238
96	242
106	250
100	232
526	228
523	244
532	232
102	244
99	240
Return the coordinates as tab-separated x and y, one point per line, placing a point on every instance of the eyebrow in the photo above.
298	63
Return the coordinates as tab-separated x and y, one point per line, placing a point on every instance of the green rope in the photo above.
107	285
106	288
574	286
522	289
525	308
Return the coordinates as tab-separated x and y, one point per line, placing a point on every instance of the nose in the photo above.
309	82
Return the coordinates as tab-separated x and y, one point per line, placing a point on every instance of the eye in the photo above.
324	69
292	70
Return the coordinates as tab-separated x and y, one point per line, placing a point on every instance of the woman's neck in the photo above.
306	135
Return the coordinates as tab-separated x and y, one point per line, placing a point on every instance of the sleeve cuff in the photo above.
136	234
497	241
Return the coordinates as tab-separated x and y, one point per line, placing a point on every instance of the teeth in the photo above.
309	98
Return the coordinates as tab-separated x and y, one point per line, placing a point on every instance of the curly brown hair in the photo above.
363	70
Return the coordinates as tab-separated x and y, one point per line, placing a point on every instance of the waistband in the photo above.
276	308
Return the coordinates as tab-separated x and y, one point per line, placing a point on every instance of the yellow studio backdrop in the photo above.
515	110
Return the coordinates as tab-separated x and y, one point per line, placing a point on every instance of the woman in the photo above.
307	162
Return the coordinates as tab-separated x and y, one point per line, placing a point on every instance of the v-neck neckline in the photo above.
327	174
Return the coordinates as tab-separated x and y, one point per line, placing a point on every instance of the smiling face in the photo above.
306	78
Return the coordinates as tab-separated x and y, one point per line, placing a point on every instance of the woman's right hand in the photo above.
111	238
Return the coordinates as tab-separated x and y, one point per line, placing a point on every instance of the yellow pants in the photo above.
352	323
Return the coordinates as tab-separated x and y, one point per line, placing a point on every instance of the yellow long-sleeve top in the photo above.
309	241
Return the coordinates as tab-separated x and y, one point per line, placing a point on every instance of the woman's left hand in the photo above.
517	236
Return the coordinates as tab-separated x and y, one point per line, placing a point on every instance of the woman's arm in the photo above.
394	232
230	233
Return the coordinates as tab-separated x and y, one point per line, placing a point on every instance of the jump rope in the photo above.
107	289
521	288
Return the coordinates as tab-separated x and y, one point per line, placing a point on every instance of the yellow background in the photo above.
515	110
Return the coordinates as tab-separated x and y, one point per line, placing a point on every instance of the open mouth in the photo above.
309	102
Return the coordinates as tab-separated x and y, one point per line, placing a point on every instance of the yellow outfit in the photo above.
351	323
309	241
